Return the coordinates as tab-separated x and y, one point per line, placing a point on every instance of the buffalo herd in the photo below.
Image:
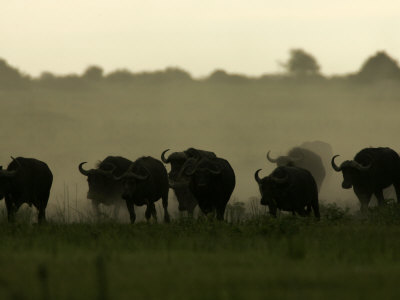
201	178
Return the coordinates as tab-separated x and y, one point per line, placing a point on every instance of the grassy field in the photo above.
346	256
252	256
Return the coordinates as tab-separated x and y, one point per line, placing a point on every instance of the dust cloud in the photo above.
239	121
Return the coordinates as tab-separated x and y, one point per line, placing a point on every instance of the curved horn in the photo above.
215	172
359	166
82	170
164	160
278	179
334	166
187	164
273	160
131	174
256	177
106	172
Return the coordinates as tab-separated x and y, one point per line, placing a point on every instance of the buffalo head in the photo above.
350	169
177	160
285	160
130	181
270	187
101	181
5	176
200	175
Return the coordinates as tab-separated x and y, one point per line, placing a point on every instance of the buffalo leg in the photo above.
43	199
272	211
301	211
131	210
220	212
190	211
315	207
150	211
11	210
364	200
42	215
308	210
397	189
147	213
165	206
153	211
379	197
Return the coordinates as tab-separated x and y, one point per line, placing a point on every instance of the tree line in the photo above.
301	66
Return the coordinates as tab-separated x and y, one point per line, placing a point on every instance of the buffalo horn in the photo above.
212	171
106	172
334	166
359	166
82	170
131	174
165	160
273	160
279	179
187	164
257	177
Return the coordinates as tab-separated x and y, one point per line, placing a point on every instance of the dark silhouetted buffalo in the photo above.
372	170
103	188
289	189
302	158
26	180
210	180
145	182
186	200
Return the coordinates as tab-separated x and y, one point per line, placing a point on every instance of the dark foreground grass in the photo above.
342	256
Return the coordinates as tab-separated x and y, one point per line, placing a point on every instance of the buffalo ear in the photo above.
1	167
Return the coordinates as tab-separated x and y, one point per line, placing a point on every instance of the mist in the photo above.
65	120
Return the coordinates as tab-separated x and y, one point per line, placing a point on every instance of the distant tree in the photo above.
120	76
93	73
223	76
379	66
218	75
168	75
164	76
70	82
301	63
11	77
177	74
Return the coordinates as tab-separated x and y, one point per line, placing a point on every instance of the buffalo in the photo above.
103	188
324	150
302	158
210	180
289	189
186	200
145	182
26	180
371	170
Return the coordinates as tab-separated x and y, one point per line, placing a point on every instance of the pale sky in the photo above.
248	36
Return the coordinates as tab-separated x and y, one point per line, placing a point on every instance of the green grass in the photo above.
347	256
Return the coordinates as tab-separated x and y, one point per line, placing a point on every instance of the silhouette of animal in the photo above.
26	180
289	189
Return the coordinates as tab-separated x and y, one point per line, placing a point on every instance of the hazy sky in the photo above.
248	36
